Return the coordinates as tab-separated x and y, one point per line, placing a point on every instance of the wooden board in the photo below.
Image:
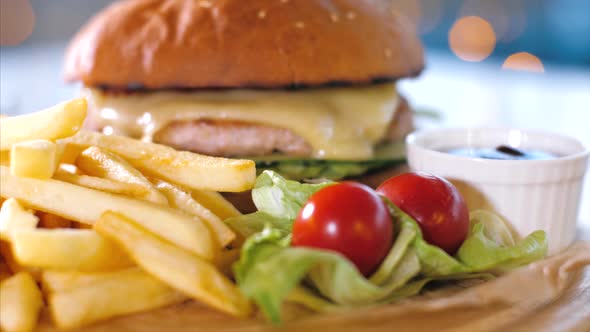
552	295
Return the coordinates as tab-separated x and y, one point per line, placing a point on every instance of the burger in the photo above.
304	87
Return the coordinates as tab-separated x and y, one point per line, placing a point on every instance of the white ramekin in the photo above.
529	194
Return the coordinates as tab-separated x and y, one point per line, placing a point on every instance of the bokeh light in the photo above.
472	38
523	61
17	21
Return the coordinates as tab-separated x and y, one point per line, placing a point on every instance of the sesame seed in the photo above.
334	17
351	15
261	14
388	53
299	25
284	1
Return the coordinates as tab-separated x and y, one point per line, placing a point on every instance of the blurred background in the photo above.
517	63
461	37
555	31
536	36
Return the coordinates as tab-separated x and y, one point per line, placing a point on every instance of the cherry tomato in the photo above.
349	218
434	203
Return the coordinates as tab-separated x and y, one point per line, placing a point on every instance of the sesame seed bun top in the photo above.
157	44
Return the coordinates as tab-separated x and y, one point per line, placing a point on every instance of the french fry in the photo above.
54	281
77	249
87	205
182	200
14	216
92	298
64	281
60	149
69	152
13	265
60	121
68	168
20	303
176	267
104	164
50	221
110	186
187	169
216	203
34	159
5	158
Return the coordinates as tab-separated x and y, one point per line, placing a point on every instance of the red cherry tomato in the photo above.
434	203
349	218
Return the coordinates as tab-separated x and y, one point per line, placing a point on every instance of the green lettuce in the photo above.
271	272
250	224
282	198
386	156
490	247
434	261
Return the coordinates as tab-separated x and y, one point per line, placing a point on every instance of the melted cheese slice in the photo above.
338	123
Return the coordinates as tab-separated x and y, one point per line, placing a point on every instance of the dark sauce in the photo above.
502	152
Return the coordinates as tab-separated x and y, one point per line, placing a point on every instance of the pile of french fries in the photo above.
95	226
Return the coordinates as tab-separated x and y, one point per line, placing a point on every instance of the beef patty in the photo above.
242	139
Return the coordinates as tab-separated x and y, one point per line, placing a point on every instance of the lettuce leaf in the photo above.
387	267
433	260
489	245
387	155
282	198
311	300
270	271
250	224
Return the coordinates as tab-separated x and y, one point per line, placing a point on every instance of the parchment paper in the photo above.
550	295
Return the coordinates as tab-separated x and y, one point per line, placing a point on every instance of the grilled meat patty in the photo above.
242	139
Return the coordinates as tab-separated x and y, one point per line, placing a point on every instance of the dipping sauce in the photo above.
502	152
